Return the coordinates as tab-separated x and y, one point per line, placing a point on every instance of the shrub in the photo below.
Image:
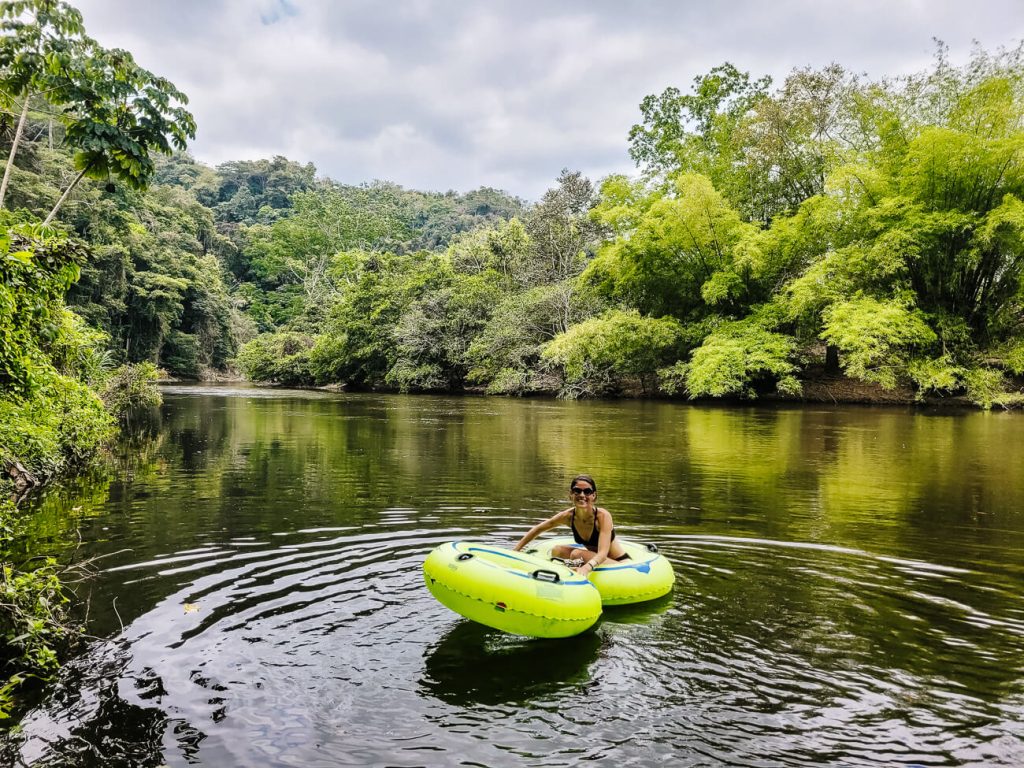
985	386
62	424
132	386
1015	358
733	358
34	625
875	337
935	375
597	353
282	358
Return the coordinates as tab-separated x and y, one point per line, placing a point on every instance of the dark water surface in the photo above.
849	588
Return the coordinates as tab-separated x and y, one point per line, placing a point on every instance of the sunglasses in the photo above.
585	491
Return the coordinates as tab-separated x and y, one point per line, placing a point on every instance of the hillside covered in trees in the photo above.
775	235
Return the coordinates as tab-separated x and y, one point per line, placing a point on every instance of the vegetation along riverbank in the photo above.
827	237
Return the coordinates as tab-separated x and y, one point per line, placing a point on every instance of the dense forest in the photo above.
828	227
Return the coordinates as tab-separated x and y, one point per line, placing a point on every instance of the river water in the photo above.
849	587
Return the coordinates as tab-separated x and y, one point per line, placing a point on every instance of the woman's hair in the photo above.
585	479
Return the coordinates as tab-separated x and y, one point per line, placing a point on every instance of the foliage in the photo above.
562	233
33	627
37	265
60	425
38	38
123	114
294	264
115	114
155	282
49	418
243	191
598	353
363	332
505	356
985	386
130	387
282	358
884	219
920	233
876	336
691	131
1015	357
439	218
38	41
80	351
734	359
34	622
935	375
680	252
765	152
433	334
503	249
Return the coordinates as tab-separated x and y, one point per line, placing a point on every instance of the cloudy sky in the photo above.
447	94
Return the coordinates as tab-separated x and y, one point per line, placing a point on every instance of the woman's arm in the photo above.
539	528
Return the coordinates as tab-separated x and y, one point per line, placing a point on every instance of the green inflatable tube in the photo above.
645	576
516	592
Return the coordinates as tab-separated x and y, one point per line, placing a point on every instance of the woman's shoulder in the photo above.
602	512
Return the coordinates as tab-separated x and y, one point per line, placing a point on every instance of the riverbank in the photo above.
827	389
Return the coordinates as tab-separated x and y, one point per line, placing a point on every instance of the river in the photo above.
849	587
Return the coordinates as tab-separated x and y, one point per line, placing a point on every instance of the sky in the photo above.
445	94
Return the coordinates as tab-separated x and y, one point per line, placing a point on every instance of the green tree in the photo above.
358	344
38	40
681	252
919	271
434	332
738	358
254	191
765	152
280	358
504	249
154	280
37	265
115	114
598	354
693	132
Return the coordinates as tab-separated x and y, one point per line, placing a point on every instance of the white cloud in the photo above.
440	94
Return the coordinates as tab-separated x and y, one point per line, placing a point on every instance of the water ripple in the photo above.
320	646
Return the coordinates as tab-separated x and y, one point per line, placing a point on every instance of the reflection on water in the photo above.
475	665
848	587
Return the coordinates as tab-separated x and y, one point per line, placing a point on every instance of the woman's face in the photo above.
582	494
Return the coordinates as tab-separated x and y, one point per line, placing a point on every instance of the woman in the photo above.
591	526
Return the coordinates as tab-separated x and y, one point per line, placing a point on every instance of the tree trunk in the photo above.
14	151
21	477
51	214
831	359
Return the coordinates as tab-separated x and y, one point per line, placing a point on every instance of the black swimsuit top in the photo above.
590	543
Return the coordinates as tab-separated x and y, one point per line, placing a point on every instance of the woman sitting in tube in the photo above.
591	527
